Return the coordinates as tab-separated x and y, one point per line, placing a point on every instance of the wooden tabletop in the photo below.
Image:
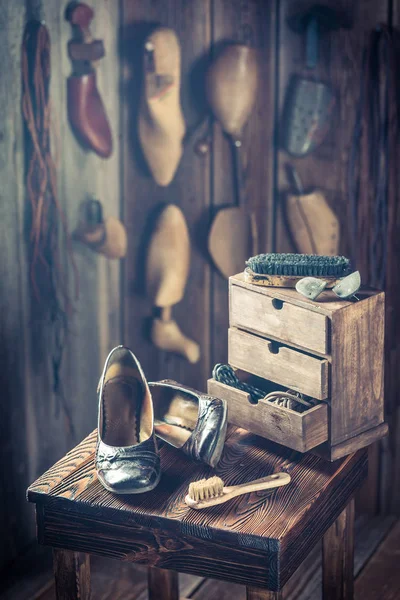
261	537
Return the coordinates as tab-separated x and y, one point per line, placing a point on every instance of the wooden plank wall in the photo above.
390	473
32	425
327	169
202	184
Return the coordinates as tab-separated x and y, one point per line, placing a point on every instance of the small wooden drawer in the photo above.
257	312
299	431
328	348
285	366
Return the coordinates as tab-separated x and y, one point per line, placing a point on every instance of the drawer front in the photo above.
269	316
288	367
299	431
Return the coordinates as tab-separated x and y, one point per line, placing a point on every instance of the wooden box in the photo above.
330	350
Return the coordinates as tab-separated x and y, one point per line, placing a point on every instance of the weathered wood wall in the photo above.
32	425
32	428
202	183
327	169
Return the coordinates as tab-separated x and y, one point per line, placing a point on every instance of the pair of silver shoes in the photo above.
133	412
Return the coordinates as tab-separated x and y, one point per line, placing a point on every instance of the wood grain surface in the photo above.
163	584
203	183
352	333
34	428
190	188
253	593
111	580
278	363
367	438
264	535
380	578
253	311
72	575
252	22
357	381
338	557
326	304
327	169
119	580
16	522
389	451
306	582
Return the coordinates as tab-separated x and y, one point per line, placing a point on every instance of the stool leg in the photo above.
162	584
72	575
338	557
259	594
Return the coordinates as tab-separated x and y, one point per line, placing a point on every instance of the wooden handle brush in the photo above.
210	492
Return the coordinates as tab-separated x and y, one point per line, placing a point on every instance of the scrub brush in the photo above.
284	270
209	492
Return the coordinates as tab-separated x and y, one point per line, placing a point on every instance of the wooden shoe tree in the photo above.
86	112
105	236
161	123
167	270
175	414
231	87
314	226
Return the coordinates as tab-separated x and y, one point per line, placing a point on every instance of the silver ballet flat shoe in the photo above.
189	420
127	460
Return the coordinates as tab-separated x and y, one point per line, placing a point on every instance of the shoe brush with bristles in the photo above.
209	492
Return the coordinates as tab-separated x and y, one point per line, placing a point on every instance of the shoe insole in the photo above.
122	400
173	434
176	415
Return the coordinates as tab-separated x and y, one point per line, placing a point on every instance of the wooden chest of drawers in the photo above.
330	350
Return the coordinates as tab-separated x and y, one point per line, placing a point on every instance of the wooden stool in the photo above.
257	540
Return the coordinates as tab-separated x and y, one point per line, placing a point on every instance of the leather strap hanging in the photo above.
49	239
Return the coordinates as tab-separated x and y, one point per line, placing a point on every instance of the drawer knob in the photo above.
273	347
277	304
